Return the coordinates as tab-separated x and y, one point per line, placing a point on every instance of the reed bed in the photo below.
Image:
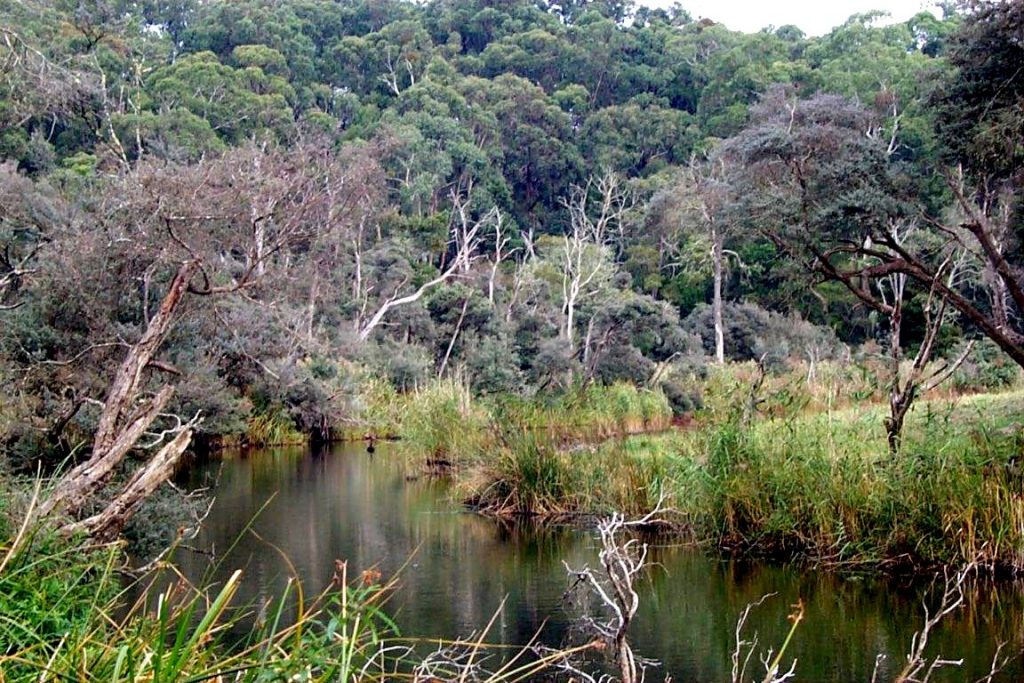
444	422
825	486
272	427
822	487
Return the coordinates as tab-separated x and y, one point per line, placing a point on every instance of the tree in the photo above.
981	125
464	237
810	176
704	196
26	219
585	258
219	227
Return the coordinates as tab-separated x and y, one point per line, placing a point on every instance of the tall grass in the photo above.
824	486
587	413
63	617
272	427
819	486
442	422
529	472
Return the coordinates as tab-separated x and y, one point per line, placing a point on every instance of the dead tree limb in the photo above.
158	469
123	421
622	559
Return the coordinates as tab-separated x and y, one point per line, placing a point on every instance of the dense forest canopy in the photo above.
525	194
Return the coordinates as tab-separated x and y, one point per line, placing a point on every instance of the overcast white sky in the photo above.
814	17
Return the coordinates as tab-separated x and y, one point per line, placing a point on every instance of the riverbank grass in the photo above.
825	487
819	486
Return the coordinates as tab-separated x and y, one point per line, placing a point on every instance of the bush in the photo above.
684	397
752	332
987	367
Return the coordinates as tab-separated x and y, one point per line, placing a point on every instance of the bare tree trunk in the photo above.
121	422
903	391
716	301
570	319
455	335
158	469
314	292
467	242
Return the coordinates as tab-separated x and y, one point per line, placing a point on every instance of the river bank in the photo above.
418	570
801	470
819	487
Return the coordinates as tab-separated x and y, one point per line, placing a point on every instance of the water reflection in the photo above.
456	567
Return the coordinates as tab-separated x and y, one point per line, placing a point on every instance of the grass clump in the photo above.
272	427
442	422
824	486
587	413
529	472
63	617
524	474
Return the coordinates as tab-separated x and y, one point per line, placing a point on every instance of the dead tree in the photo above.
501	252
919	668
623	558
465	237
584	259
704	197
123	421
744	649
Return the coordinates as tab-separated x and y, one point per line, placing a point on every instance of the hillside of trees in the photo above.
252	208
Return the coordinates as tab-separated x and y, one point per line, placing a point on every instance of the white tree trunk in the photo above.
716	301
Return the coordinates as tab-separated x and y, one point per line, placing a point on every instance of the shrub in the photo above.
987	367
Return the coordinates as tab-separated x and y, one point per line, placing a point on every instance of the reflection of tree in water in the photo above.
455	567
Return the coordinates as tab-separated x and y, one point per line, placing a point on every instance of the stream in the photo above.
455	568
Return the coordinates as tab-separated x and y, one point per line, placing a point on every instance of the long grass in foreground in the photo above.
64	616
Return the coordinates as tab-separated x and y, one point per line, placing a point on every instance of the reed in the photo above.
63	617
272	427
442	422
819	486
529	472
824	486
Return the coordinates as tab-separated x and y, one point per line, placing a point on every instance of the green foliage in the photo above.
51	590
272	427
985	368
62	612
824	486
441	421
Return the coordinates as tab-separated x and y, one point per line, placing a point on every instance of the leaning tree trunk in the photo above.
122	423
106	525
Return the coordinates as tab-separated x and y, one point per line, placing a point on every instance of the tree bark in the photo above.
121	423
455	335
107	524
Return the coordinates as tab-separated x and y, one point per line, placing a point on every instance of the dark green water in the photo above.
346	504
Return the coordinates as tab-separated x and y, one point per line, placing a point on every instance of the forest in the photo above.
243	223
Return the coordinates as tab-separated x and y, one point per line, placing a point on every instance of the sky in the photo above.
814	17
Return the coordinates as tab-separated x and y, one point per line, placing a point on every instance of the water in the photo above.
455	568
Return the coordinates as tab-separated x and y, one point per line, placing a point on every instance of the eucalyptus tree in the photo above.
981	125
703	200
810	176
597	215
